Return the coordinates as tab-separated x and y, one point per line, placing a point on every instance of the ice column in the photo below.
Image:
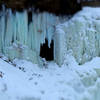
59	46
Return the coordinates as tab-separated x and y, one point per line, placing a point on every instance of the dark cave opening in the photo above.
46	52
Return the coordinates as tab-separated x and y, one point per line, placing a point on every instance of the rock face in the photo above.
54	6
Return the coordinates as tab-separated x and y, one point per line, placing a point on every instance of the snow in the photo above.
23	80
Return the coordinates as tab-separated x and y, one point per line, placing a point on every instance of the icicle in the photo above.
14	29
22	27
30	36
23	41
59	46
9	28
36	40
2	28
43	28
51	20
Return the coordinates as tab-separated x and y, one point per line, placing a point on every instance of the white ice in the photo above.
82	35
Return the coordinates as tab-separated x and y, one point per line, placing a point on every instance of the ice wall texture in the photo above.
21	39
82	35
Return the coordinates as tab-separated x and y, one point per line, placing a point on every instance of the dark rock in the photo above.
53	6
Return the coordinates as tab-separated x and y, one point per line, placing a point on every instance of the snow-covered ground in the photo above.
26	81
22	80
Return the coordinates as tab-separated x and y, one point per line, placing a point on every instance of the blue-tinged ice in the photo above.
2	29
18	39
22	27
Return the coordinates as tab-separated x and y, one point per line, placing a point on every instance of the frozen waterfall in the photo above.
21	39
82	35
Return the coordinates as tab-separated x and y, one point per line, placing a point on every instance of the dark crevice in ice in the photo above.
46	52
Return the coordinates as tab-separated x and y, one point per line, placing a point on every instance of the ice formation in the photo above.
21	39
82	35
59	46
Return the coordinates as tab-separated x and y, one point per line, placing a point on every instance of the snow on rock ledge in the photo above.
82	34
